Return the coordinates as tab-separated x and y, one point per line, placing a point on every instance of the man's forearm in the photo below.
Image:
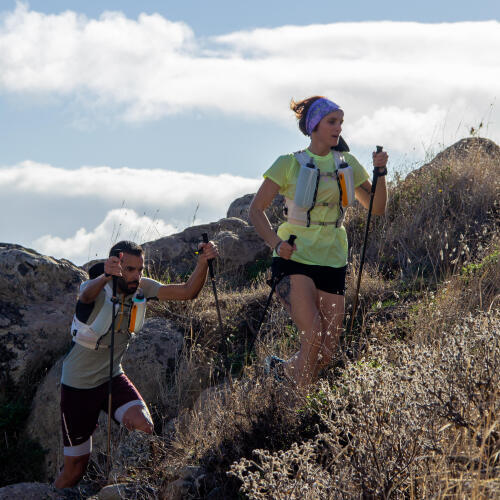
197	279
93	289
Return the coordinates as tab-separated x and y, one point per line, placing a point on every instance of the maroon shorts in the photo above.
80	407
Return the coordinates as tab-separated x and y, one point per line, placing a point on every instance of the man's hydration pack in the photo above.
90	335
298	211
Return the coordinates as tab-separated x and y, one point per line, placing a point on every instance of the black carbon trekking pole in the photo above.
274	282
362	260
114	300
214	288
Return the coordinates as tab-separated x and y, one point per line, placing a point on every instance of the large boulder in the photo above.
240	207
37	300
239	246
30	491
150	359
463	154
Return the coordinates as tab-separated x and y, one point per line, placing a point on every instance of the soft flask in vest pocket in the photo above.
138	313
346	181
306	185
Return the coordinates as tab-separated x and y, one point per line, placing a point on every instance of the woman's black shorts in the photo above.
327	279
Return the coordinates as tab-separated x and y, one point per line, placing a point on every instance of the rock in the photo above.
191	472
184	486
239	246
37	300
120	491
216	494
30	491
176	490
113	492
239	208
151	357
204	483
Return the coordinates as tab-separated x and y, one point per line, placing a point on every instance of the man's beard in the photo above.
127	288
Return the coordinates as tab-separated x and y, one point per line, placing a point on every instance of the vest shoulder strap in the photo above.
338	158
303	158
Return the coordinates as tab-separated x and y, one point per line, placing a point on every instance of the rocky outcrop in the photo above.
240	207
465	152
191	482
151	357
37	300
30	491
239	246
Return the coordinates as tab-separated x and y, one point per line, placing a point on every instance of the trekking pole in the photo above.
362	260
114	300
274	282
214	288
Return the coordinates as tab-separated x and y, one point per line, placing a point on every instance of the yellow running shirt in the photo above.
316	245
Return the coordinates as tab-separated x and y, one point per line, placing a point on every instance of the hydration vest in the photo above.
298	211
90	335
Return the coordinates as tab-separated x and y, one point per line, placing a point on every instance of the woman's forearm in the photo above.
263	227
264	197
380	198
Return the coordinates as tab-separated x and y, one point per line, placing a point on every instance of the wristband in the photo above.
380	173
277	247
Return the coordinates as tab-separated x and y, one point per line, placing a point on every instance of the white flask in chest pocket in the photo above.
138	312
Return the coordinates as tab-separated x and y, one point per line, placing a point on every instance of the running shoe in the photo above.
272	365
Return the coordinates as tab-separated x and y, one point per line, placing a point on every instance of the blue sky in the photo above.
133	118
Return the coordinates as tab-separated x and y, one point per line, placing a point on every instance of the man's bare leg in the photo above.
72	472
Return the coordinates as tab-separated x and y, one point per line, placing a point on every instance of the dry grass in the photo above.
438	217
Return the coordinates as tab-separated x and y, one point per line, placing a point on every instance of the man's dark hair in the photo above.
126	246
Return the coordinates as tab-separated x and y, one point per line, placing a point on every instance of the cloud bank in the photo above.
169	201
155	187
119	224
387	75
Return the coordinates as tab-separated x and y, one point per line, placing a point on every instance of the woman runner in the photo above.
313	270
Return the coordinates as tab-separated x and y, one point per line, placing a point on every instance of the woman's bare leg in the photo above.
300	296
331	307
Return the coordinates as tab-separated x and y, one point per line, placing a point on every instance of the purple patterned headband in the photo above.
318	110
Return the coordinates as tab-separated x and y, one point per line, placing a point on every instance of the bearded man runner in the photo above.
85	374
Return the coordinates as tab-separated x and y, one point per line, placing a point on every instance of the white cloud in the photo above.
152	67
169	202
397	127
119	224
156	188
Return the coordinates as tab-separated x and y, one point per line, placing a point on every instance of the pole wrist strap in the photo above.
380	173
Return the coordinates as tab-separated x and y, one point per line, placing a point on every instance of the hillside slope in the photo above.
408	409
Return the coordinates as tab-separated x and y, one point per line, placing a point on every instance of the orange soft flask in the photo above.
138	312
346	181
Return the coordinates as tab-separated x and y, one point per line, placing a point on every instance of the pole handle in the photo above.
115	253
291	239
210	261
375	171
